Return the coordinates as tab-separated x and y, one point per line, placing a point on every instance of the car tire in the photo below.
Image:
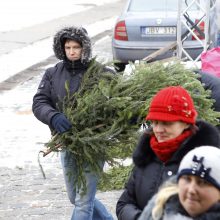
119	67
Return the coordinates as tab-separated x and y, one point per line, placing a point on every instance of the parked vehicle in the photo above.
146	26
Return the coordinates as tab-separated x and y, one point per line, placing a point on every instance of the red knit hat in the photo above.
173	103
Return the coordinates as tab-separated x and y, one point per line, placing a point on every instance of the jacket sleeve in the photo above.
126	208
43	107
212	83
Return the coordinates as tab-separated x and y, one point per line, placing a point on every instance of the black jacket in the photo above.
212	83
48	101
149	172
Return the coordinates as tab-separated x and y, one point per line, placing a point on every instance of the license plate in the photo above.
158	30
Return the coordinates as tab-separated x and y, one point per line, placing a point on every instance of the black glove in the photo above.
60	123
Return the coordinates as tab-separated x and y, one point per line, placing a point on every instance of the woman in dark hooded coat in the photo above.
72	46
174	132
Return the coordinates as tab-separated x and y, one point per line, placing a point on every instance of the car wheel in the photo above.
119	67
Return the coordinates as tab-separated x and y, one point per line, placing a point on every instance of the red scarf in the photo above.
166	149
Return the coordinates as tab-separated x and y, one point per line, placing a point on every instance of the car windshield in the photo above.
158	5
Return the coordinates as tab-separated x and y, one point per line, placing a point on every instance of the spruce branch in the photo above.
108	110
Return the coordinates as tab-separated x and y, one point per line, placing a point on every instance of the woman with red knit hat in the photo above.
173	133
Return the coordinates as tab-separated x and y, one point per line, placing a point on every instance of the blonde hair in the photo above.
161	198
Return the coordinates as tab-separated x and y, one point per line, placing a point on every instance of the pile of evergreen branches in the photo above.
108	110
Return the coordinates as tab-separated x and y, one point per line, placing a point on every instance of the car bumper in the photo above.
131	53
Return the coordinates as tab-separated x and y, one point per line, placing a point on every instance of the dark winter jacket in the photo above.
212	83
173	210
149	172
48	101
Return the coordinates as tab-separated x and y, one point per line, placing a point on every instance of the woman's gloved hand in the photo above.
60	123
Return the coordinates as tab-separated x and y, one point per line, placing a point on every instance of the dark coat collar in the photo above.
207	134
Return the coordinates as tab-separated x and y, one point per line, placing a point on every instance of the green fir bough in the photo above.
108	110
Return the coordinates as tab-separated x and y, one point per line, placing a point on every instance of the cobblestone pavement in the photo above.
25	194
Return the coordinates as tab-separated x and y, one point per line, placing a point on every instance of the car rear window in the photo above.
158	5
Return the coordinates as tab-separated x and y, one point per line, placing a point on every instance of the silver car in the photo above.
148	25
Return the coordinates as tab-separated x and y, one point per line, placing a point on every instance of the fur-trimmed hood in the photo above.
207	134
173	210
75	33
